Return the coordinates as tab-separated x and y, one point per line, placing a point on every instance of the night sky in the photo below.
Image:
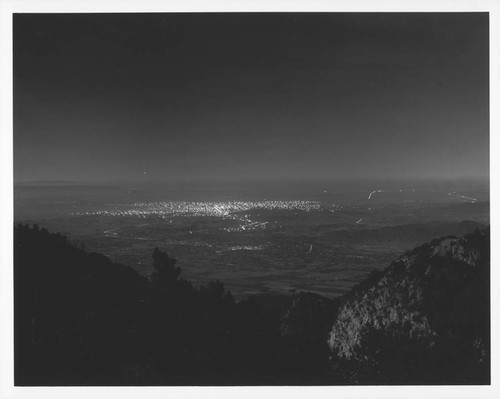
243	96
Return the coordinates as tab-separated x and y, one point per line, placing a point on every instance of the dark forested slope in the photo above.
81	319
424	319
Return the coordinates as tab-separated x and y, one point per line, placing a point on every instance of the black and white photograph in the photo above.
238	199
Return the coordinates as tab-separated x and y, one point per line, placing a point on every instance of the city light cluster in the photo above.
233	210
190	208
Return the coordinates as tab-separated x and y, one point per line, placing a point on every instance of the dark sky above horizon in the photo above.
236	96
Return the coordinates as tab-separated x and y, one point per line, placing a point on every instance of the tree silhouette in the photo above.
165	269
81	319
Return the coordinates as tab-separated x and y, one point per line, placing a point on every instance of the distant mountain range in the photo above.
407	232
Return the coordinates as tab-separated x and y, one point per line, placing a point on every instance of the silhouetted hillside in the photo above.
424	319
72	309
81	319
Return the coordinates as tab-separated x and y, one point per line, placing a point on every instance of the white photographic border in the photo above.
9	7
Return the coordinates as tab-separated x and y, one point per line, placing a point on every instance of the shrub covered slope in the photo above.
81	319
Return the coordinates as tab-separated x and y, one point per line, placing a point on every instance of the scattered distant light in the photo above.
235	210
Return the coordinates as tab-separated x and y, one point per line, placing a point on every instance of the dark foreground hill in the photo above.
423	320
82	320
